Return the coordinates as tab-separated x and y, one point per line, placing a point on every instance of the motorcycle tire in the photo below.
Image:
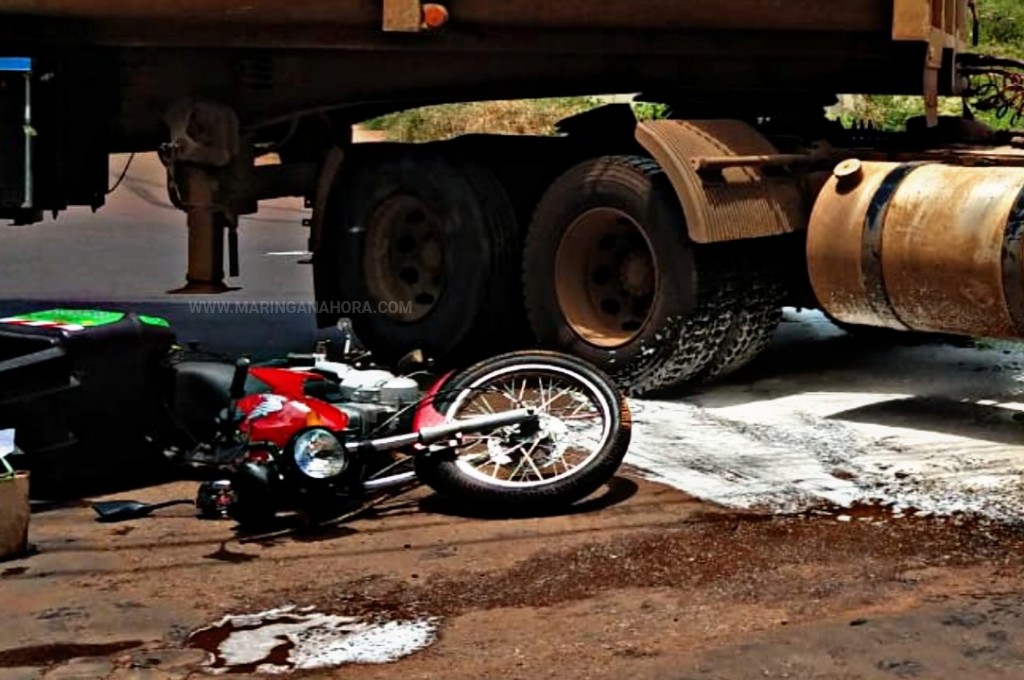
454	475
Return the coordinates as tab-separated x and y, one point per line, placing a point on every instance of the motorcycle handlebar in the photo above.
238	380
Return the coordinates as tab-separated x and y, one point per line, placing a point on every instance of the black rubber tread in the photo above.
760	298
471	318
445	477
638	186
504	326
697	337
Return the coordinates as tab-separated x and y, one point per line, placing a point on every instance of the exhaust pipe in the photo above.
429	435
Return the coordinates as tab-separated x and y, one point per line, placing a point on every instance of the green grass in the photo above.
512	117
1002	27
1002	34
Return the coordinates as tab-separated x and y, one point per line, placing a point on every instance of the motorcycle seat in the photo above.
201	390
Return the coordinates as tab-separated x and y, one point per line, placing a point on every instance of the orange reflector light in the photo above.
313	419
434	16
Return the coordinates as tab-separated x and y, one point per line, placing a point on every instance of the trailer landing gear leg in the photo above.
206	227
206	171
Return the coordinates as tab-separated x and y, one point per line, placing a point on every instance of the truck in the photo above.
662	251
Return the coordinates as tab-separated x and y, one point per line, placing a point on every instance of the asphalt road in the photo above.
129	254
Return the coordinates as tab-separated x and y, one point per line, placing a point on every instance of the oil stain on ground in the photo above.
51	654
737	557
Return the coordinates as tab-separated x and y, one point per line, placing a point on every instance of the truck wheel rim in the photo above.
605	277
404	259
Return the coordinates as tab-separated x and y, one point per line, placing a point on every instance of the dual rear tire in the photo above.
421	251
610	275
605	270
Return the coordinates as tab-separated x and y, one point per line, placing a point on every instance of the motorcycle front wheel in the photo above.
577	444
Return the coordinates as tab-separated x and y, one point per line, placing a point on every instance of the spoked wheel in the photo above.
576	445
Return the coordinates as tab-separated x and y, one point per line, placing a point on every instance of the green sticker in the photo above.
77	317
154	321
83	318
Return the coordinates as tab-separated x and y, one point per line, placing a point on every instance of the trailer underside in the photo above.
684	237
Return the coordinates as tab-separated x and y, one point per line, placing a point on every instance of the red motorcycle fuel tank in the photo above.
286	382
276	418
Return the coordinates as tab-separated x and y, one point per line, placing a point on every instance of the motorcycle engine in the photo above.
371	397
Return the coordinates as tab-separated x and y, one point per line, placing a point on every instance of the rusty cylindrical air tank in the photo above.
921	246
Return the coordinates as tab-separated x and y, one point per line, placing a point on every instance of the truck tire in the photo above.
610	276
424	249
759	296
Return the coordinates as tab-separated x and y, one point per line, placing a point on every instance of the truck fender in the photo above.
732	202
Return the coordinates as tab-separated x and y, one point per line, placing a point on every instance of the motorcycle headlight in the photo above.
319	454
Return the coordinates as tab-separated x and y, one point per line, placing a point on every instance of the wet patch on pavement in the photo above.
746	558
50	654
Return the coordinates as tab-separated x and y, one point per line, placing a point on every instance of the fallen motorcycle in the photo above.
525	432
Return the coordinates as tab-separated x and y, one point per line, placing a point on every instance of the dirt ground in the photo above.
642	582
807	555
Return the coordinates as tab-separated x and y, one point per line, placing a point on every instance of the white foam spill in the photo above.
799	460
316	640
785	444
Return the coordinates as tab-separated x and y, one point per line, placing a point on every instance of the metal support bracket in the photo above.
412	16
23	66
403	16
205	166
932	68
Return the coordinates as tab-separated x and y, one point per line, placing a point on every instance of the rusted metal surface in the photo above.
853	15
741	202
942	24
402	16
942	248
921	19
925	246
703	163
608	277
835	247
324	54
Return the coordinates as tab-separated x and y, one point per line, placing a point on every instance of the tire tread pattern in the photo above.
446	478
